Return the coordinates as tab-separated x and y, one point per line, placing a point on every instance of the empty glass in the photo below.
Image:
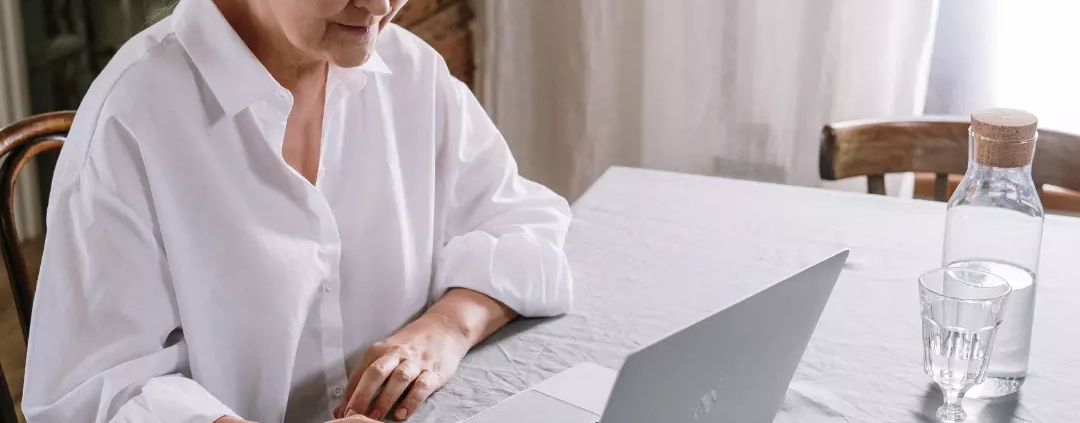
961	311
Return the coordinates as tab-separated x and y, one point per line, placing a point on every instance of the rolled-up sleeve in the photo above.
106	343
504	234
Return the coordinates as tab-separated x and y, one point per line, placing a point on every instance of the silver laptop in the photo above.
731	367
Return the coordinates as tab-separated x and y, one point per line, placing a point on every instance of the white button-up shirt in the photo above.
190	273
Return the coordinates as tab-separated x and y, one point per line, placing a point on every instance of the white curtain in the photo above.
1006	53
736	88
14	105
14	95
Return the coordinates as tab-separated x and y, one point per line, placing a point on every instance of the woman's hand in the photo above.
408	366
230	419
421	357
352	419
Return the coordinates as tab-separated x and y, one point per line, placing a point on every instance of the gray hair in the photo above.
161	12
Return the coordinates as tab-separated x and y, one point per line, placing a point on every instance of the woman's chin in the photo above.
350	58
348	50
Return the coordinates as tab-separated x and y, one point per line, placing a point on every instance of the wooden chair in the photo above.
19	143
936	145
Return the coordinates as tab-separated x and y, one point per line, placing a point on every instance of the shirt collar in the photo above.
234	75
353	79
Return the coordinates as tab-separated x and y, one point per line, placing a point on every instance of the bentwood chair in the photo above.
20	142
936	148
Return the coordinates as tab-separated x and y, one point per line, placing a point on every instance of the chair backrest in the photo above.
935	145
19	143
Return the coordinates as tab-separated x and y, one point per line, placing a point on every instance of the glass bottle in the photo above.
994	223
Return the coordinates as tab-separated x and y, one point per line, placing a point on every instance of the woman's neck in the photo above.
289	65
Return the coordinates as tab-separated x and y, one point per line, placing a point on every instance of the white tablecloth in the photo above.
654	251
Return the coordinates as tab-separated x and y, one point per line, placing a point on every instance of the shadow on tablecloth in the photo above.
1001	410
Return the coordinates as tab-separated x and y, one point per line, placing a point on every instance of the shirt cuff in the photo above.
531	276
172	399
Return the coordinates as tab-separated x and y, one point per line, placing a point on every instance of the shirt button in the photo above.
326	287
338	391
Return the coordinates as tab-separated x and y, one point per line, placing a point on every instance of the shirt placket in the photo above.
328	303
332	334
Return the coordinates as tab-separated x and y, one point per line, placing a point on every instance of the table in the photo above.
653	251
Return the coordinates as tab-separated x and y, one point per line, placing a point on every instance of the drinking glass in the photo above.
961	311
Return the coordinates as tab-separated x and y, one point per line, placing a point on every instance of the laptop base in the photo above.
576	395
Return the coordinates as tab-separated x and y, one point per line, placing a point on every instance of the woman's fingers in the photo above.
353	419
350	389
424	385
354	379
370	382
394	388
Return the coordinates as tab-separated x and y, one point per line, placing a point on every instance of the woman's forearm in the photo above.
474	315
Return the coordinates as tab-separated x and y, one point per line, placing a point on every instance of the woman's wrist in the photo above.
471	315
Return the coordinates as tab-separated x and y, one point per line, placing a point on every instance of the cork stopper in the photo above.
1003	137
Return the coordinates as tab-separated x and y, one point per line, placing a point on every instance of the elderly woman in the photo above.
280	210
